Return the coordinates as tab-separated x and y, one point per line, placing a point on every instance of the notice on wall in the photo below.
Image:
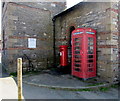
31	42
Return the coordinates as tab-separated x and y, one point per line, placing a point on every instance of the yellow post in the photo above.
19	76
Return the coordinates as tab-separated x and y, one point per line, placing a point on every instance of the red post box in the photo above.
84	53
63	55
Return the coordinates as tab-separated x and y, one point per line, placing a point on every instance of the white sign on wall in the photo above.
31	42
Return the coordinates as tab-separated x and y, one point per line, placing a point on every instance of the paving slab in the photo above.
62	81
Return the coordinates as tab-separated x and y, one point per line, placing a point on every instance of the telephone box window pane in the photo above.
90	69
90	39
77	60
77	56
77	39
90	56
77	44
77	65
90	43
90	65
77	69
77	48
90	47
77	52
90	52
90	60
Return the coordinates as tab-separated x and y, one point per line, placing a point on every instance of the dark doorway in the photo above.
72	28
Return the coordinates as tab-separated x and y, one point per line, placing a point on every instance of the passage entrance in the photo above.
84	53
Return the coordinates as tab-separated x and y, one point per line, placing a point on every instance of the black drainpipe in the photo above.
54	53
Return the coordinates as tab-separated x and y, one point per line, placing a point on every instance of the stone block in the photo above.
12	52
12	27
11	17
13	40
106	51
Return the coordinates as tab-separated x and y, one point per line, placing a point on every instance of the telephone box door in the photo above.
91	53
77	53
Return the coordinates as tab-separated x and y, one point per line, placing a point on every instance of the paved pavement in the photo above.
62	81
34	92
55	80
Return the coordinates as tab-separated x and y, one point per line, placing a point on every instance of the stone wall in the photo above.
101	16
22	21
114	42
119	37
0	50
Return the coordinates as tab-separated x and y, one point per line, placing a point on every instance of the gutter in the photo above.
54	53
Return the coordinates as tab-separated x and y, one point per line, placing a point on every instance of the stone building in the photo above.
0	50
27	32
101	16
119	37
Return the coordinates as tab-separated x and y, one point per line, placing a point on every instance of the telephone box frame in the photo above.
84	53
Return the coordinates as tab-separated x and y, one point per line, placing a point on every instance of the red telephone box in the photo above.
63	55
84	53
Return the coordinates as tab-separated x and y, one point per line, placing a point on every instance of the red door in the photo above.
91	53
84	53
77	53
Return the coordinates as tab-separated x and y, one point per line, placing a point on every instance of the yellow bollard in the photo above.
19	77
